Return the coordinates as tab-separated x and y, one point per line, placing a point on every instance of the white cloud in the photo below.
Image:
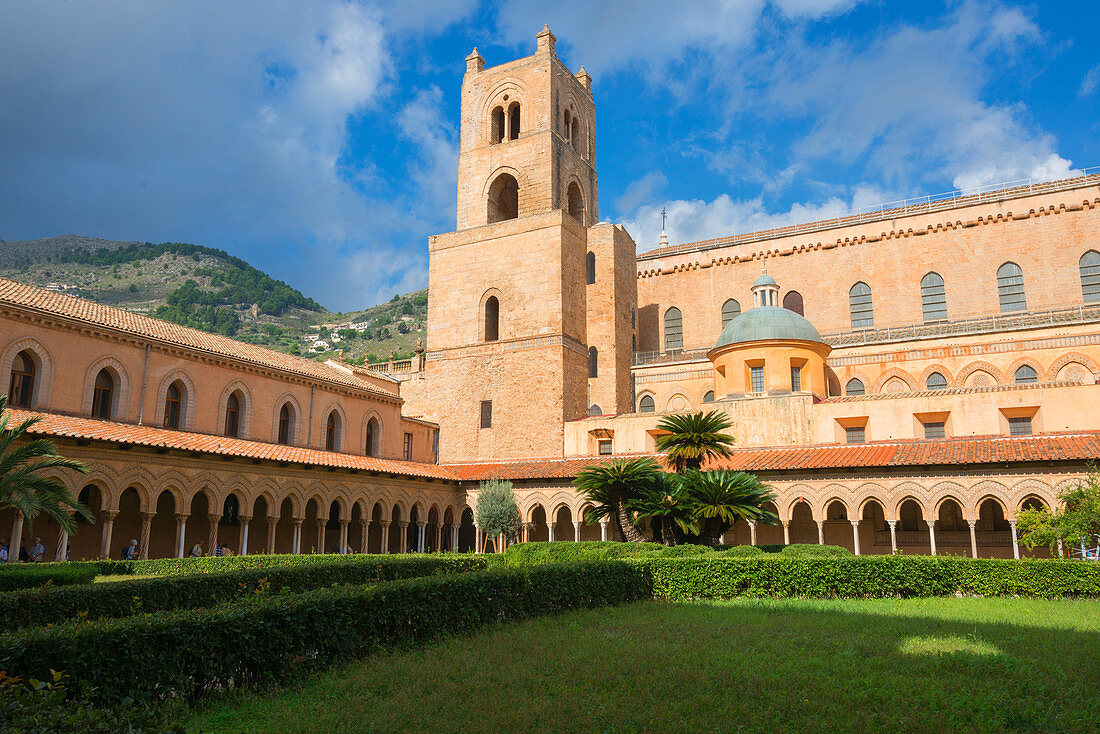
1090	83
435	170
641	191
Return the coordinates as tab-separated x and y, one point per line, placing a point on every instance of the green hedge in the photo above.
192	591
805	550
15	576
586	550
272	638
722	577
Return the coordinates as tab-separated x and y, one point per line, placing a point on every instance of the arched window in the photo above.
933	298
593	362
575	134
590	268
575	202
595	410
1090	276
332	431
21	389
859	306
1026	375
103	396
173	405
935	381
373	437
496	133
709	397
503	198
1010	288
513	121
286	424
731	309
854	387
566	131
674	330
793	302
233	408
646	404
492	319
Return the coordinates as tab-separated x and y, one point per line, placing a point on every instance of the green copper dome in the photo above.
767	323
764	279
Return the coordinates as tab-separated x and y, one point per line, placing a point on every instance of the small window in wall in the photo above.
1019	426
731	309
496	134
22	380
1026	375
503	202
233	415
574	202
855	434
103	395
435	445
408	447
859	306
332	432
590	268
709	397
603	447
594	410
513	121
756	379
173	404
796	379
793	302
372	447
1010	288
593	362
935	429
285	424
647	404
933	298
936	381
854	387
1090	276
492	319
674	330
486	413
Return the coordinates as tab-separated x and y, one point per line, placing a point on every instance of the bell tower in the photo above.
509	359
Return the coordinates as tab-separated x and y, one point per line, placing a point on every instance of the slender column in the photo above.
454	538
105	540
296	543
181	533
526	531
477	538
272	525
16	537
603	529
385	535
893	535
343	536
404	525
550	530
1015	541
212	538
855	534
365	525
143	539
821	532
752	532
321	536
60	553
973	540
786	533
242	543
421	535
576	531
438	537
1061	550
932	536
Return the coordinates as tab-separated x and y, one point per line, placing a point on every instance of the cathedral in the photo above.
906	378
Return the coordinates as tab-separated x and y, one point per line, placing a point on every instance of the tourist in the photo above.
23	555
38	551
225	550
196	550
130	552
4	551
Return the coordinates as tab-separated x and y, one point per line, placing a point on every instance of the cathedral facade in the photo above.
907	378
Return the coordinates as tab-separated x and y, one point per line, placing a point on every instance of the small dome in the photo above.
768	323
764	279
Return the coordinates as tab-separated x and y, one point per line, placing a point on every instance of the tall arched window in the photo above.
1090	276
21	388
590	268
855	387
566	130
646	404
233	408
936	381
575	134
496	133
574	202
332	431
492	319
513	121
709	397
173	405
286	424
503	198
593	360
1026	375
731	309
103	396
1010	288
674	330
933	298
793	302
859	306
373	435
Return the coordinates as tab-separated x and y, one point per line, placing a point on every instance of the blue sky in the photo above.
319	140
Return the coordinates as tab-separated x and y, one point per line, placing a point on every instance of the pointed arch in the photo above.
42	364
188	400
119	400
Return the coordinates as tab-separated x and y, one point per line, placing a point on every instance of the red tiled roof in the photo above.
40	299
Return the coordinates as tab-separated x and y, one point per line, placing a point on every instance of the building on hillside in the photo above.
907	378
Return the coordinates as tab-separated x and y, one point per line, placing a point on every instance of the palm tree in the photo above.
720	497
665	503
609	487
22	485
692	438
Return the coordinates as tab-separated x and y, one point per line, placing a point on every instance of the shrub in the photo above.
739	551
192	591
680	551
800	550
267	639
588	550
28	576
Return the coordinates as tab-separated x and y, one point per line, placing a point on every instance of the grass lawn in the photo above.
922	665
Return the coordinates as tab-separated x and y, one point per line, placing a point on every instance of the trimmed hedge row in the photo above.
523	554
724	577
14	577
268	639
193	591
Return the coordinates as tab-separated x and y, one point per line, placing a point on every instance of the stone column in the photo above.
62	545
855	535
550	531
973	540
576	531
272	526
296	542
321	536
385	535
365	525
821	532
526	532
752	532
421	535
212	538
404	541
105	539
603	529
343	536
143	538
786	533
893	535
1015	541
181	534
16	537
242	542
454	538
438	537
477	538
932	536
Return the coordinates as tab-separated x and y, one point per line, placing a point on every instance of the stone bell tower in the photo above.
509	323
